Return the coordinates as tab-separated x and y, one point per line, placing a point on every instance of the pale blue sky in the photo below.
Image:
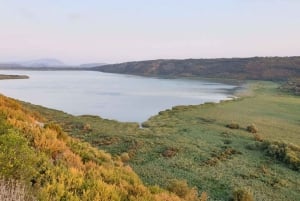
79	31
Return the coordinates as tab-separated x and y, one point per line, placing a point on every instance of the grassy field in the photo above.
193	143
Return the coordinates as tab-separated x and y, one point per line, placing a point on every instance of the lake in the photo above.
113	96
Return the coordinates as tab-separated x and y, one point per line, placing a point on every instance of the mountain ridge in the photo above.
253	68
45	62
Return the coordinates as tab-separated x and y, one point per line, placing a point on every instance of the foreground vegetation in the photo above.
239	149
39	161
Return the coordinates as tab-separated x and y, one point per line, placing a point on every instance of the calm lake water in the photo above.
112	96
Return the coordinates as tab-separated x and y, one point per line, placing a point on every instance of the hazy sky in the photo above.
79	31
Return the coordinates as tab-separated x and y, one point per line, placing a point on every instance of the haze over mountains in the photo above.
45	63
35	63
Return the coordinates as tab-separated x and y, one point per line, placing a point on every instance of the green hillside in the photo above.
250	145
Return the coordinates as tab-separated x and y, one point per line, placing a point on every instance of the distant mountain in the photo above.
40	63
255	68
90	65
47	64
9	65
43	63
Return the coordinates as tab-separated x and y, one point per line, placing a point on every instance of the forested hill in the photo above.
257	68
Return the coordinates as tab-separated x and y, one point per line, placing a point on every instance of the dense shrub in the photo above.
253	145
252	128
223	155
145	125
233	126
3	125
227	141
87	128
60	133
170	152
181	188
125	157
291	86
287	153
17	160
242	195
257	137
281	151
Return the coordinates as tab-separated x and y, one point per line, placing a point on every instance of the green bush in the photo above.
287	153
17	159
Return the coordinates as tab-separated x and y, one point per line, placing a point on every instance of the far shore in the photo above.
6	77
